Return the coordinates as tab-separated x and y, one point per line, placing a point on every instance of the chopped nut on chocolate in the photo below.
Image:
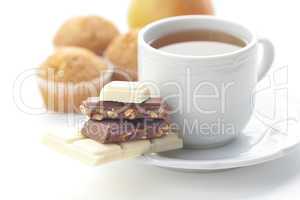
116	131
165	127
130	114
125	137
98	117
154	108
82	109
153	114
112	114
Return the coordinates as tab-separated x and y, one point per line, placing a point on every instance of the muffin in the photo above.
90	32
122	52
71	75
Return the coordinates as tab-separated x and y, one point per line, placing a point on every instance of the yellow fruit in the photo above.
142	12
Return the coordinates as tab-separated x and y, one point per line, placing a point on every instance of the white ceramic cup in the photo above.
212	96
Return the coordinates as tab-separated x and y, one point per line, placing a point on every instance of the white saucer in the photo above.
254	146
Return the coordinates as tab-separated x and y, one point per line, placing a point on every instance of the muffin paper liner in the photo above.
67	97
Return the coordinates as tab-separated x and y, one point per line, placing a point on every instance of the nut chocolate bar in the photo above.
153	108
118	131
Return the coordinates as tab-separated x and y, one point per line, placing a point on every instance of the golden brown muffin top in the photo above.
72	64
91	32
122	51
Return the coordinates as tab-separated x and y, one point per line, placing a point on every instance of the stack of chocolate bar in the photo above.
125	112
125	122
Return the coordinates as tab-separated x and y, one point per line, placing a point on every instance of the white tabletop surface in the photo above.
31	171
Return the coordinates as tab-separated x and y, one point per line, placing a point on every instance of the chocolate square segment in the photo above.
118	131
153	108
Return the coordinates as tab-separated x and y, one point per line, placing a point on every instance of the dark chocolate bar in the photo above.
153	108
118	131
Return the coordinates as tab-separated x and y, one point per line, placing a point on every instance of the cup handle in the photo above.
267	57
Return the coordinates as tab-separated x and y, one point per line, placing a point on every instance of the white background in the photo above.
28	170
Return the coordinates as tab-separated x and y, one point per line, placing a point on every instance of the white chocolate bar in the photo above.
126	92
135	148
66	136
168	143
93	153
